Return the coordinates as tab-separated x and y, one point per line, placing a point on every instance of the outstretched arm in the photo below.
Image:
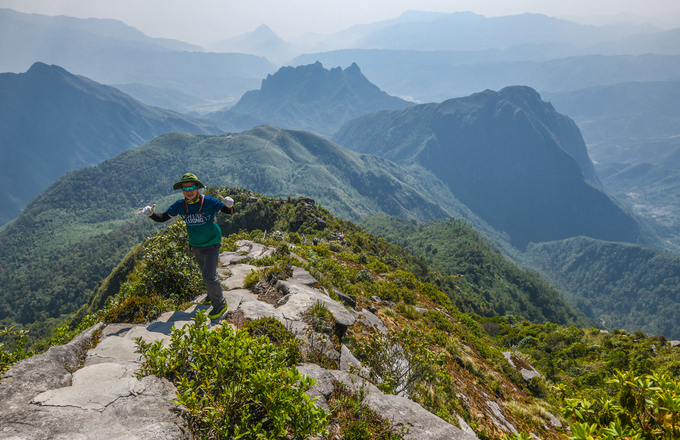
160	218
228	205
148	211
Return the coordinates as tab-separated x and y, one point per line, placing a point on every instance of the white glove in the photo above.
228	201
147	210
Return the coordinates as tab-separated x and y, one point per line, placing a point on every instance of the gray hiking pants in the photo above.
207	258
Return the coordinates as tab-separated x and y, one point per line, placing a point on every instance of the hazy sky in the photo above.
208	21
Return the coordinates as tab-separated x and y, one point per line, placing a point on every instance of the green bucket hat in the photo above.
188	177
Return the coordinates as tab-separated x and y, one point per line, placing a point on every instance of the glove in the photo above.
147	210
228	201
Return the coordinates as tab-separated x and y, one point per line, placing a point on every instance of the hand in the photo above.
228	201
147	210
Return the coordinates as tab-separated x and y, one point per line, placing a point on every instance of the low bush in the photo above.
356	420
234	385
277	335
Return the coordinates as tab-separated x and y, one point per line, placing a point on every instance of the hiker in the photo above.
205	237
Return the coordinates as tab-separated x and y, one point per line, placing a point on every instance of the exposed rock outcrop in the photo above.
79	391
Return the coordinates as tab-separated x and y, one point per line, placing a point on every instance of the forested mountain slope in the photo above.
52	121
500	286
620	285
71	236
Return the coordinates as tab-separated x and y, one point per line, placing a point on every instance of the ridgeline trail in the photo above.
275	134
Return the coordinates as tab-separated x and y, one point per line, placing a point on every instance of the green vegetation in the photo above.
610	385
492	284
646	407
618	284
69	239
235	385
455	358
356	419
12	347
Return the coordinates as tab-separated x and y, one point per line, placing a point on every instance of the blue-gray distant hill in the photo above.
52	122
309	98
469	31
262	41
633	134
628	110
509	157
439	75
110	52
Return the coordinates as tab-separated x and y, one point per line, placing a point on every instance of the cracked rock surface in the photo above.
78	392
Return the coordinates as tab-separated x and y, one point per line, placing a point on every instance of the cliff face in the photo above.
311	98
506	155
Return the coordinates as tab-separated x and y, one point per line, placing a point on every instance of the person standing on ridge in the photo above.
205	237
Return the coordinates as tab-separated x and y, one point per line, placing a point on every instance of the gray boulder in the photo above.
49	396
400	411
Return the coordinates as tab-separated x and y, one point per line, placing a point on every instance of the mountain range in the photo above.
436	76
461	53
308	98
285	162
53	122
158	69
471	32
110	52
627	110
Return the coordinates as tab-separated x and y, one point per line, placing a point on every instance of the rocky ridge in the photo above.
88	388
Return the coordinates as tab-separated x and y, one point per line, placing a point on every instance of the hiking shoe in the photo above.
216	313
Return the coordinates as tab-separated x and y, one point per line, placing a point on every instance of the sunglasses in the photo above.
189	188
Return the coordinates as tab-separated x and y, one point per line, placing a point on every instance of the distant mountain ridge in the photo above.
635	110
309	98
52	122
97	26
633	134
470	31
110	52
509	157
440	75
262	41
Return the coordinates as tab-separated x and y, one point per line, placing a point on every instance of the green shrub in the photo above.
408	311
357	421
12	347
363	276
134	309
646	407
234	385
537	387
398	361
319	317
277	335
294	238
164	278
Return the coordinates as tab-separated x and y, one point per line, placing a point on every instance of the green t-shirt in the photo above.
200	220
